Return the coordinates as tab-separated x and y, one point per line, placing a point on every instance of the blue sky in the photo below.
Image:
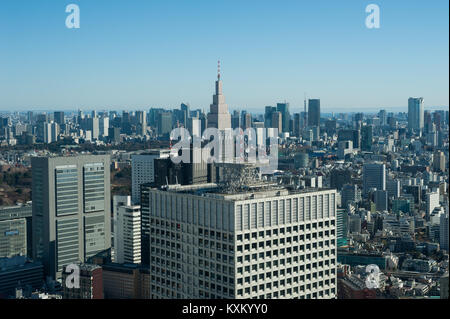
137	54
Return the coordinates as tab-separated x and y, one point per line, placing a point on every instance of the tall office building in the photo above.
93	125
58	117
314	112
218	116
393	186
141	122
208	242
366	137
283	108
143	170
443	231
439	161
269	110
415	114
51	132
127	235
71	209
235	120
164	123
380	199
374	176
432	201
104	126
277	121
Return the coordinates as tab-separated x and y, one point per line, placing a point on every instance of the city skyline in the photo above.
108	63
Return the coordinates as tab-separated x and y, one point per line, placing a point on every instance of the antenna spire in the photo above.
218	70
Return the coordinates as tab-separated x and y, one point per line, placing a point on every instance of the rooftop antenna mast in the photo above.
304	109
218	70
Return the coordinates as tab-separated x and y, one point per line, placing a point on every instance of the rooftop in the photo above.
261	190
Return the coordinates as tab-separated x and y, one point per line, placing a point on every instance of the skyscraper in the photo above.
218	116
127	234
268	116
366	137
143	170
58	117
415	114
71	209
314	112
283	108
374	176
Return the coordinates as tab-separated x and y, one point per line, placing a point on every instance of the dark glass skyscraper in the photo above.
283	108
314	112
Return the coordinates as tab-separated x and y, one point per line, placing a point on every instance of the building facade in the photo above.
71	209
264	244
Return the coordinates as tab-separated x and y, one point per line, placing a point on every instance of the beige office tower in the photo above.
261	242
218	116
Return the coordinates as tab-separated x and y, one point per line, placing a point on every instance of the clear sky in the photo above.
137	54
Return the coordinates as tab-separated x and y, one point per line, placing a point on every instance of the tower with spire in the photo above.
218	116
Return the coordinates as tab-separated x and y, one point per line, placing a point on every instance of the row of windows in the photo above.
288	292
283	261
284	283
286	271
285	230
288	249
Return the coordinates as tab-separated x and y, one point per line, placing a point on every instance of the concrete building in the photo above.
90	283
71	209
432	201
18	272
207	242
439	161
143	170
126	281
15	231
127	235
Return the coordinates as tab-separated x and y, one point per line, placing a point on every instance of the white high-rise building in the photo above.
432	201
127	235
142	170
104	126
207	242
118	200
51	132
